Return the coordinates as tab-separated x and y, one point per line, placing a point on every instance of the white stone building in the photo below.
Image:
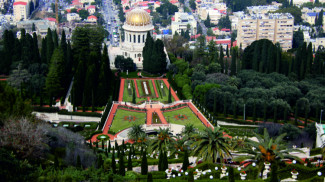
181	21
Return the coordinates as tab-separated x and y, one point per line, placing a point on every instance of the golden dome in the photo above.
138	17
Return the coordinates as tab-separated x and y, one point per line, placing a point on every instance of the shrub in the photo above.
46	109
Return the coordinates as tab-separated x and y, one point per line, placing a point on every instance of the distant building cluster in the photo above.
181	21
277	27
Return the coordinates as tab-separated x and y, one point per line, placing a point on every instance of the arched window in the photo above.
135	55
139	55
130	38
143	39
134	38
139	38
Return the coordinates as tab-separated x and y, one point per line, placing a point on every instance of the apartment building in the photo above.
277	27
181	21
21	10
261	9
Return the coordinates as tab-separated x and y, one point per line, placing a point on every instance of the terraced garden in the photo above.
125	119
183	117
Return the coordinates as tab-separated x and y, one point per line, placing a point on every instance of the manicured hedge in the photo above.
46	109
91	114
315	151
304	172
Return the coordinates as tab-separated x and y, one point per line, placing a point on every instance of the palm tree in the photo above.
211	145
162	141
135	132
267	149
188	131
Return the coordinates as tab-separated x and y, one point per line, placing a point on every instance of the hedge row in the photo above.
46	109
91	114
315	151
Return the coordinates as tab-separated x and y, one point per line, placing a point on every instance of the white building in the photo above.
137	25
181	21
73	17
261	9
21	10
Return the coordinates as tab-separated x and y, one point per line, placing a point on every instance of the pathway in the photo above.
200	115
172	90
120	96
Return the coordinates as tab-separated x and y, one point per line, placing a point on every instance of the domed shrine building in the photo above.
136	27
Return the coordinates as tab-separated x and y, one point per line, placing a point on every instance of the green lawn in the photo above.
119	123
191	118
128	96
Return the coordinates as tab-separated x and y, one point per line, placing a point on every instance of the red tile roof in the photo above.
51	19
20	3
147	10
91	7
92	17
225	29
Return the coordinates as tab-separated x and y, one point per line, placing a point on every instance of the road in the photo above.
111	25
204	28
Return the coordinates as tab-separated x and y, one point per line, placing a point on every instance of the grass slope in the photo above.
120	124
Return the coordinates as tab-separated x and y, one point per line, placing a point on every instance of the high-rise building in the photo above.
277	27
21	10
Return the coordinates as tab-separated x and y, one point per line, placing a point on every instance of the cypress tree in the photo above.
109	147
264	111
285	114
275	119
118	152
100	162
110	178
306	113
121	164
43	51
103	144
214	104
254	111
278	59
226	67
97	144
78	164
190	177
144	164
133	96
49	45
113	163
221	60
227	51
225	106
169	95
165	161
231	175
149	178
130	160
235	108
36	55
186	162
270	59
56	161
255	57
160	161
296	114
309	58
55	39
233	62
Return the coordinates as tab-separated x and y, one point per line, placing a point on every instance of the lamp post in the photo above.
321	113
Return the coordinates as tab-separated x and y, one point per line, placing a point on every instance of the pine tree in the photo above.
113	163
221	61
121	164
130	160
233	62
78	164
144	164
169	95
186	162
296	114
